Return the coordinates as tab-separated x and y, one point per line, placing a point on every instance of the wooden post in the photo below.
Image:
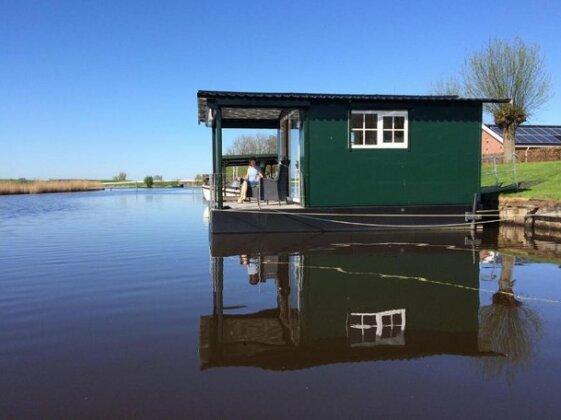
218	310
213	151
217	272
214	177
219	157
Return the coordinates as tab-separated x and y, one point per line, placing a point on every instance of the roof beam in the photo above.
261	103
250	123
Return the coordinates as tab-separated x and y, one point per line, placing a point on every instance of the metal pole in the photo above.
514	173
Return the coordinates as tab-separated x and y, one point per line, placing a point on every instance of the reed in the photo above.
38	187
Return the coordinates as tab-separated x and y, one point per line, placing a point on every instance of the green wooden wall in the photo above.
441	166
329	294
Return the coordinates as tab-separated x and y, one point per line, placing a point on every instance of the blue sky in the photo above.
91	88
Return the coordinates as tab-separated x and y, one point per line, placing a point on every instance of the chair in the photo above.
254	192
276	189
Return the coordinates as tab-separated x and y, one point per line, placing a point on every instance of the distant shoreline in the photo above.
42	187
21	187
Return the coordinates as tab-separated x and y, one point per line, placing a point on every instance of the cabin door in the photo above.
294	155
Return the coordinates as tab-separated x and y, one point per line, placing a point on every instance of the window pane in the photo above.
369	335
356	120
388	122
399	137
357	138
294	120
386	332
355	335
387	136
371	137
399	123
371	120
369	320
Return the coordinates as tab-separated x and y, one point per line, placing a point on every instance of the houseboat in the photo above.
351	162
343	298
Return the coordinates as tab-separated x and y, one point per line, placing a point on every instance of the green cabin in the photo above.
361	151
361	302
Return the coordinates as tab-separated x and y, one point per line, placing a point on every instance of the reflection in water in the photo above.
509	327
356	303
381	328
101	305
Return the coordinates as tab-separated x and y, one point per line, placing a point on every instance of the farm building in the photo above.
352	153
527	137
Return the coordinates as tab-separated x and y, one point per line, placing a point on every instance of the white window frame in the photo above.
380	130
398	340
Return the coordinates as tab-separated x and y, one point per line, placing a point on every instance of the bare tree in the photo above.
253	145
158	178
121	176
508	327
508	70
450	86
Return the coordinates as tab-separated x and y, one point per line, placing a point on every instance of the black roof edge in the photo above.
212	94
529	125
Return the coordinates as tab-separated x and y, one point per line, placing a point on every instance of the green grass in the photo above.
539	180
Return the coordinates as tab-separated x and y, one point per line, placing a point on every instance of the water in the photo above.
112	306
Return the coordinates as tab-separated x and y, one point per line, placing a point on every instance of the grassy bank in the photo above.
139	184
37	187
539	180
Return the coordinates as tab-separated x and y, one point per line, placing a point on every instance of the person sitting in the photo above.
252	265
251	179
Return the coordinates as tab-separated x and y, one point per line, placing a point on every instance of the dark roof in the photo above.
241	160
275	98
534	135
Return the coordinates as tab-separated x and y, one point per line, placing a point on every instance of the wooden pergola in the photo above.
222	110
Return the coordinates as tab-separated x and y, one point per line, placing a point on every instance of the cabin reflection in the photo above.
371	299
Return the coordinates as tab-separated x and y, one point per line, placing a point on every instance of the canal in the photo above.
113	304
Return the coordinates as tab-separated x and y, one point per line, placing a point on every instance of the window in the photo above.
379	130
376	328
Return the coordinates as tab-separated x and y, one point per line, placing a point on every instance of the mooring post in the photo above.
473	217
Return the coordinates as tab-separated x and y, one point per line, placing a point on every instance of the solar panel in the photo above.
550	130
534	135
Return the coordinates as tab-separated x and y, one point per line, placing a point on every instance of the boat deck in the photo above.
254	205
254	217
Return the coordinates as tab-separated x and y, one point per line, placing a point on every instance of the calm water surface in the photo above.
112	306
